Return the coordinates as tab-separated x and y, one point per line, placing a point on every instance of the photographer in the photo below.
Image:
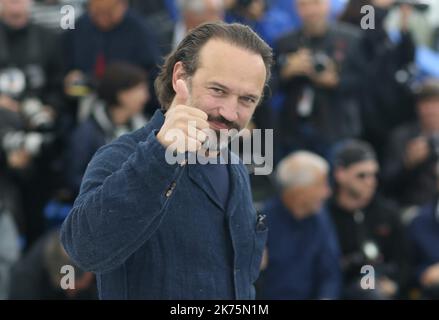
318	81
30	64
413	151
421	21
368	226
30	98
387	70
122	94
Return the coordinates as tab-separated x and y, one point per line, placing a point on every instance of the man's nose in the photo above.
229	109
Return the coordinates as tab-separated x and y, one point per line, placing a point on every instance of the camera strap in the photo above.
305	105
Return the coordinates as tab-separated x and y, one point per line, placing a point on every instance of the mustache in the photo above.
221	119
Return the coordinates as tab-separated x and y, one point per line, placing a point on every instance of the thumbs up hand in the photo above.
182	129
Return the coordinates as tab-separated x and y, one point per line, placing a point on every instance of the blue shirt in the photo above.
303	256
217	176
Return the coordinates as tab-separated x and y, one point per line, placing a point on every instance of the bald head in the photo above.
300	169
303	177
197	12
15	13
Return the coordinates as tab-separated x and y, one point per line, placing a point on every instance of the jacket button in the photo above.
170	190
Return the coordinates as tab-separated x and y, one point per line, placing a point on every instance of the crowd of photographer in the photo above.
354	104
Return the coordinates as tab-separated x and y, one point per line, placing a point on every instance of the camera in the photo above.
320	61
33	112
12	83
81	87
32	142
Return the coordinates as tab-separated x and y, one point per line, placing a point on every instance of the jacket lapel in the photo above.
236	189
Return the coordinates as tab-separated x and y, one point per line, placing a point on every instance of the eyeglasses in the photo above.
365	175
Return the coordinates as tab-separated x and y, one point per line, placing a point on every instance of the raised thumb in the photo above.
181	93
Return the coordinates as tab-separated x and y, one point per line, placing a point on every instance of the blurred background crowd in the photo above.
355	113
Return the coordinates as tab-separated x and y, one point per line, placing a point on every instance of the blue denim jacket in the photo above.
151	230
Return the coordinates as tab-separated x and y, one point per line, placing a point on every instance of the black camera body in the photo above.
19	86
320	61
32	142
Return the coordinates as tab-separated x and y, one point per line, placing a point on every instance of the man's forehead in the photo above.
221	58
214	48
241	70
364	165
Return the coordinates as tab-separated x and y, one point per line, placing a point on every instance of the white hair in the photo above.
196	5
300	169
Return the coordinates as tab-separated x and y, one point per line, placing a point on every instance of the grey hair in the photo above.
300	169
195	5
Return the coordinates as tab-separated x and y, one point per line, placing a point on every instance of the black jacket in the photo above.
379	224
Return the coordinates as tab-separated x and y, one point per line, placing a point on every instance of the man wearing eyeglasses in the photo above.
368	226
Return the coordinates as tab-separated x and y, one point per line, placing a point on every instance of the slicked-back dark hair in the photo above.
189	48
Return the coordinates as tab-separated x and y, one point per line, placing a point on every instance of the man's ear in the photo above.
178	73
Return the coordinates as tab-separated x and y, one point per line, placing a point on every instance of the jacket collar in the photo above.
157	120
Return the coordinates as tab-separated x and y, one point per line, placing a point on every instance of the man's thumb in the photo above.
181	93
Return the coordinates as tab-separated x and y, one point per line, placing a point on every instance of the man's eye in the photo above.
217	90
248	100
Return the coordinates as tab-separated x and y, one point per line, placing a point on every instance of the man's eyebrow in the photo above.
217	84
223	87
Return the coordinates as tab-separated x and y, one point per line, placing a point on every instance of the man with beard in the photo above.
368	227
154	230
